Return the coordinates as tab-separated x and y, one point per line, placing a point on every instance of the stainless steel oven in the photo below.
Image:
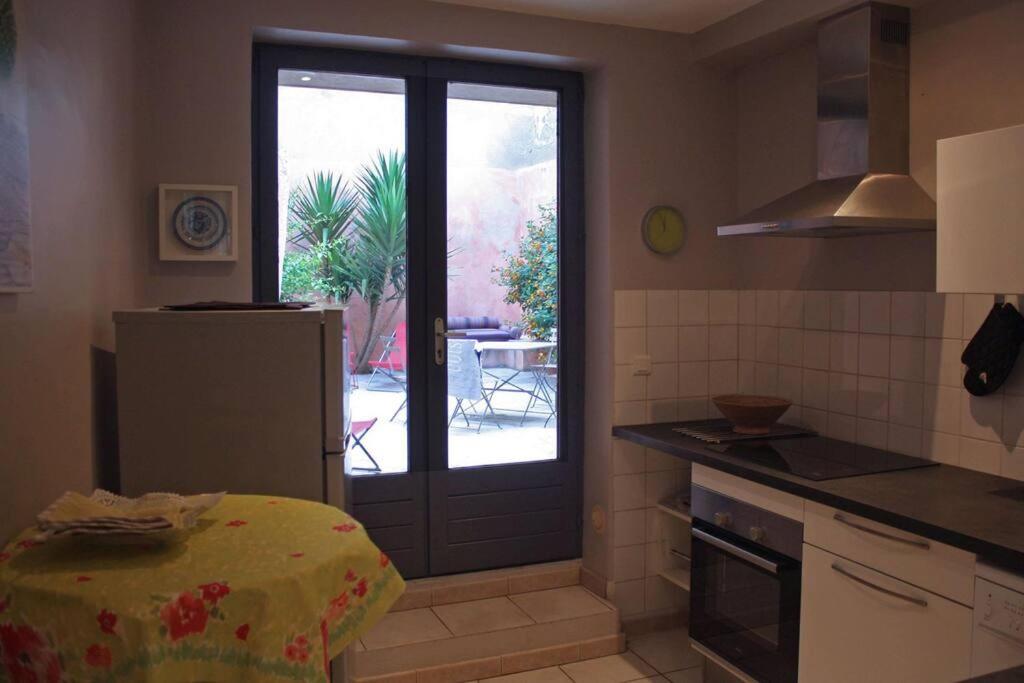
745	586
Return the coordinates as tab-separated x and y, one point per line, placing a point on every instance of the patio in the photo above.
504	437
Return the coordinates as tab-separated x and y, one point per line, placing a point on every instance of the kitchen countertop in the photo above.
1015	675
977	512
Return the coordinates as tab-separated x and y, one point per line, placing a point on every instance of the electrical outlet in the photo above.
641	366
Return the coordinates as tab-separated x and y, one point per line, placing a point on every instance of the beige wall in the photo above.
657	131
79	62
964	79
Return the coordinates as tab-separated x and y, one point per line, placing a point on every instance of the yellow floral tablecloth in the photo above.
264	589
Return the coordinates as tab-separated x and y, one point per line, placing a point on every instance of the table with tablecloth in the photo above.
263	589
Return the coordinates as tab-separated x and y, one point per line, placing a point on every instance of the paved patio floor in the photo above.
503	438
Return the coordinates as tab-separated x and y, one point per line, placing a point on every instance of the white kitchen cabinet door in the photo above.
862	626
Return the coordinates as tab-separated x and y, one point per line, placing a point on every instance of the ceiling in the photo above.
681	16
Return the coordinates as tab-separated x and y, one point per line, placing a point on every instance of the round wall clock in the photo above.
663	229
199	222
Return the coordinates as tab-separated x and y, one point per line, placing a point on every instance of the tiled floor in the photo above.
481	616
661	657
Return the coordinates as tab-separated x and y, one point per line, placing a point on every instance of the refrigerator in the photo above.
236	401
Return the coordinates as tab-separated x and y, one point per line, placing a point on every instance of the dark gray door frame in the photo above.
432	520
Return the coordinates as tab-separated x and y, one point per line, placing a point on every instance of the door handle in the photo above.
441	335
440	341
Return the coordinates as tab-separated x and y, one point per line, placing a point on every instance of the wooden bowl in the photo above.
751	414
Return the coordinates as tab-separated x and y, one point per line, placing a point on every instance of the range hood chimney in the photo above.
864	185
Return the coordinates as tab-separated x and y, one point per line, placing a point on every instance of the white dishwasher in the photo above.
998	641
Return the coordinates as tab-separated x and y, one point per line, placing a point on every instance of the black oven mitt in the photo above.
990	355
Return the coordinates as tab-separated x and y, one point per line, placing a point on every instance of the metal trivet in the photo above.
720	431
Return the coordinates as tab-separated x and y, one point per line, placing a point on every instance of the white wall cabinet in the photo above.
859	625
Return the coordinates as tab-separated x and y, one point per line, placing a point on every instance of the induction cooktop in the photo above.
818	458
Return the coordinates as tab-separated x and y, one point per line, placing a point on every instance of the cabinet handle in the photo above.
850	575
899	539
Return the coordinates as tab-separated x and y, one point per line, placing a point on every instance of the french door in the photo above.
442	200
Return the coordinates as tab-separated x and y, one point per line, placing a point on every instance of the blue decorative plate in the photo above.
199	222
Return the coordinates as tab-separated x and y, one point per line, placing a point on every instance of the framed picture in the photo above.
198	222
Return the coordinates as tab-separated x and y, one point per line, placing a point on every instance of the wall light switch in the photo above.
641	365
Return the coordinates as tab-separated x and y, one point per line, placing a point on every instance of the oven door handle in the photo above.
736	551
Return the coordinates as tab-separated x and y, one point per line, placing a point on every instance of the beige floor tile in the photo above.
694	675
480	616
665	650
403	628
550	675
559	603
612	669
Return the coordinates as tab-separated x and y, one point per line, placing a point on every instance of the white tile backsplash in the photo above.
844	311
816	306
908	312
630	306
791	309
879	368
693	342
874	312
662	308
767	344
976	309
873	355
693	307
843	354
768	308
723	342
906	359
944	315
747	307
723	307
662	344
816	349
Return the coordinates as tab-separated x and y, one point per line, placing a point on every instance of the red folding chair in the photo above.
356	433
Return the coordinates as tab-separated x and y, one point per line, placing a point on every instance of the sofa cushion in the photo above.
476	322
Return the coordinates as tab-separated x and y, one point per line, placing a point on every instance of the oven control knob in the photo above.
723	519
757	534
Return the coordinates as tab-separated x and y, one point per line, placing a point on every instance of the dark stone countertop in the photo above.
1015	675
977	512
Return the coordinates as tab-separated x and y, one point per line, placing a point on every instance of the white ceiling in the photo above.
681	16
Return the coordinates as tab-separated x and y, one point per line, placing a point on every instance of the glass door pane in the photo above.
502	287
342	238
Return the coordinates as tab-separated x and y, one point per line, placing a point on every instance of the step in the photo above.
474	639
444	590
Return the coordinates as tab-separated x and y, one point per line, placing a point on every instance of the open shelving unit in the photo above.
677	570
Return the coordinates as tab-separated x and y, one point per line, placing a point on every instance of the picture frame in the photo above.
197	222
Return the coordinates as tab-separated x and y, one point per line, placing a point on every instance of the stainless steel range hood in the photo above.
863	185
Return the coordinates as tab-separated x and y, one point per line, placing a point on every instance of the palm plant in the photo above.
376	264
319	217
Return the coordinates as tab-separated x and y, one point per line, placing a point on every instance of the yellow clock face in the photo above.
663	229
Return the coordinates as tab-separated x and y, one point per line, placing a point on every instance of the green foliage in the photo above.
377	269
299	281
8	37
351	241
530	276
319	217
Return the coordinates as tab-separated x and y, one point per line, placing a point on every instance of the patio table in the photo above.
520	347
263	589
